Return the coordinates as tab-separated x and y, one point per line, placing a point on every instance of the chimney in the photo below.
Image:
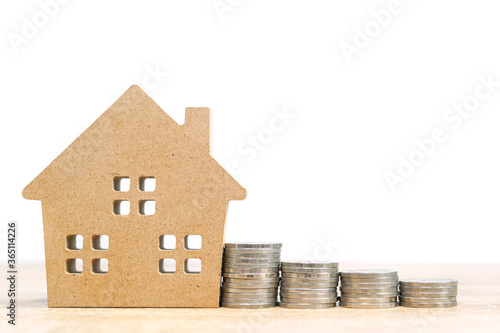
197	124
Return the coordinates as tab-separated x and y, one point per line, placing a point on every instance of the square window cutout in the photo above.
74	242
147	184
100	242
192	242
167	242
121	207
100	266
121	184
167	266
192	266
147	207
74	266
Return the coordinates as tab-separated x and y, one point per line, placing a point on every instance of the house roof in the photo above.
134	123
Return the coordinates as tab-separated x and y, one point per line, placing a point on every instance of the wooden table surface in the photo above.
478	310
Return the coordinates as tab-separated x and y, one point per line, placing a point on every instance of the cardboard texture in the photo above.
81	200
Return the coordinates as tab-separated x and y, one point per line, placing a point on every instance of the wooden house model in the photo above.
134	211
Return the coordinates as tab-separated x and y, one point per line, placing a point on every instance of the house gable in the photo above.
135	130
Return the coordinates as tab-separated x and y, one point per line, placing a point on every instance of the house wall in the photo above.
133	278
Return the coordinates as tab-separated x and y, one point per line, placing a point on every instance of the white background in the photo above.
318	186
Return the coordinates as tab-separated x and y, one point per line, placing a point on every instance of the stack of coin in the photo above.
369	289
308	285
428	293
250	275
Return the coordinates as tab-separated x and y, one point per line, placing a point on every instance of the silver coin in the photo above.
244	265
308	295
306	290
249	270
243	298
250	276
250	255
309	264
226	289
248	305
253	281
309	270
251	287
368	290
369	285
370	295
248	266
309	275
252	245
240	257
253	254
428	305
311	281
308	286
369	273
309	300
408	299
429	283
285	284
251	260
371	280
252	251
306	306
250	295
380	295
247	300
368	300
428	289
428	295
369	305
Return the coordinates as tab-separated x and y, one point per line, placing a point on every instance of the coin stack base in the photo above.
308	285
250	275
428	293
369	289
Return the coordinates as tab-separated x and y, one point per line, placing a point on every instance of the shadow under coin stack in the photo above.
428	293
308	285
369	289
250	275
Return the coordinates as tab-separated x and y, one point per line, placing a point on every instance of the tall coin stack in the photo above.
369	289
250	275
308	285
428	293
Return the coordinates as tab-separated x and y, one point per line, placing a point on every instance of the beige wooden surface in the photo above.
478	310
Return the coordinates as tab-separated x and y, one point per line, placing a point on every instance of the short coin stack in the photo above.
428	293
369	289
308	285
250	273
